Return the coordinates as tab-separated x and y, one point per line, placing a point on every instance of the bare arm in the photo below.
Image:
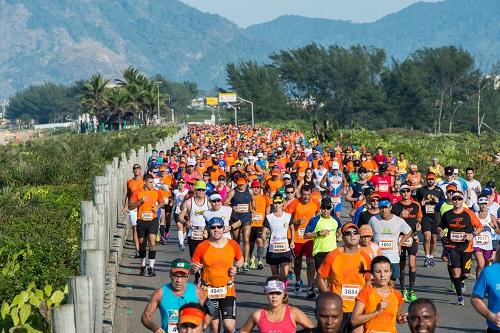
300	318
229	197
322	286
479	305
359	318
185	210
150	309
323	182
251	322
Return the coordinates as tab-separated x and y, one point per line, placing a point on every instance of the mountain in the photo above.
66	40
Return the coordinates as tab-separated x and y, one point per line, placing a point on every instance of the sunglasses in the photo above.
200	190
290	192
216	200
350	233
457	199
136	167
326	207
483	203
179	276
213	227
405	191
277	202
373	200
450	191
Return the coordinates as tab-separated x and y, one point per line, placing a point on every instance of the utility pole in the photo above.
251	106
158	99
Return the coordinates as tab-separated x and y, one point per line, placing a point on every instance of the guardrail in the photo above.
91	299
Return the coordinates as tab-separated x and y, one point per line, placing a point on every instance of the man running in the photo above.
170	297
133	184
429	196
218	259
334	182
328	311
262	207
463	225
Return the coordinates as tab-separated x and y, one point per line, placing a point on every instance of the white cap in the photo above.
191	163
287	176
260	155
215	196
335	165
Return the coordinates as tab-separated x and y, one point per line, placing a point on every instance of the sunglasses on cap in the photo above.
350	233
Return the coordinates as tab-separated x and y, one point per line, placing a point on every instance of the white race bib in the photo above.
217	292
383	187
408	242
301	232
197	234
335	200
386	245
457	237
257	217
279	247
481	239
147	216
429	209
242	208
350	291
165	201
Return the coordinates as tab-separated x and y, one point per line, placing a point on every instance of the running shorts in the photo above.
278	258
225	308
303	249
147	228
460	259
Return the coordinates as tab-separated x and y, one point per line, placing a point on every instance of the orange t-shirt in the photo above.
167	180
259	213
273	185
217	262
386	321
134	186
306	212
145	212
301	167
342	272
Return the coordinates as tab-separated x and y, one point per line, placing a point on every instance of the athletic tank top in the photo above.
179	199
284	326
318	177
170	304
196	217
484	239
241	204
335	183
278	241
310	183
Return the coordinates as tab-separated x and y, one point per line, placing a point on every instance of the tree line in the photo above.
434	90
136	98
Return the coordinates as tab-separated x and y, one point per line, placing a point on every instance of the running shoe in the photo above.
143	271
298	287
311	294
460	300
452	287
252	262
432	262
151	271
290	276
163	241
411	295
167	236
245	267
427	262
463	286
181	247
137	255
260	265
406	297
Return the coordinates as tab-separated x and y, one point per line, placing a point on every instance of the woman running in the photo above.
180	194
483	244
277	316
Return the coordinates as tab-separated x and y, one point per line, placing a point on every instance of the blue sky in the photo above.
248	12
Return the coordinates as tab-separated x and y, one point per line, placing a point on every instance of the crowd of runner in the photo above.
245	197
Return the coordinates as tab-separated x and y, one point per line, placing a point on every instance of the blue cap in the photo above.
215	221
384	202
487	191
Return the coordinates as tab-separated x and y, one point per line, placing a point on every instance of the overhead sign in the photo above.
212	101
227	97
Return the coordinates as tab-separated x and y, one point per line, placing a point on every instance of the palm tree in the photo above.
93	95
118	100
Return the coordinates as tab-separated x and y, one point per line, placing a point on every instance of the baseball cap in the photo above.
274	286
430	175
180	265
191	163
260	155
373	195
215	196
335	165
241	181
326	203
384	202
278	198
215	221
348	225
200	185
404	187
191	314
287	176
320	162
356	163
457	194
482	199
451	187
275	172
487	191
448	171
365	230
255	184
362	170
383	167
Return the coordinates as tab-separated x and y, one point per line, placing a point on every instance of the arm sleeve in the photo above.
480	286
237	250
405	228
364	295
312	224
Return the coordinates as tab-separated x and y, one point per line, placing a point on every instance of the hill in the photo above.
63	41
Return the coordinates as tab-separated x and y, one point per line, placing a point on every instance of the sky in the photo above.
248	12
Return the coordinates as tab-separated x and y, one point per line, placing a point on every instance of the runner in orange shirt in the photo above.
133	184
261	207
218	259
303	210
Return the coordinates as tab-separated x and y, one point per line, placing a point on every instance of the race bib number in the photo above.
383	187
408	242
197	234
301	232
456	236
217	292
429	209
172	328
350	291
242	208
147	216
386	245
335	200
173	318
481	239
279	247
257	217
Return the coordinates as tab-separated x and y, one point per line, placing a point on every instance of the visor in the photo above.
192	316
274	286
384	203
215	196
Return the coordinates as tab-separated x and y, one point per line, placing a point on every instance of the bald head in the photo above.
329	312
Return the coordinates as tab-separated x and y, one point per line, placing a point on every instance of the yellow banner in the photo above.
212	101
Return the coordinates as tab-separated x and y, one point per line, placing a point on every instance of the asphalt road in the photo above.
133	292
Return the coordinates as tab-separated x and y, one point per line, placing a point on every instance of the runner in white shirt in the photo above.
179	195
224	212
474	189
318	175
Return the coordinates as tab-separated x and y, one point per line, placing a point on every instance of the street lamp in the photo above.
158	99
251	105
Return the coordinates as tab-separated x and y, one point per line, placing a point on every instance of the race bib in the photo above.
165	201
147	216
429	209
242	208
197	234
350	291
386	245
172	328
217	292
481	239
456	236
383	187
335	200
408	242
279	247
199	212
301	232
257	217
173	318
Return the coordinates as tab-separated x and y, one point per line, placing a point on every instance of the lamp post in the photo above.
158	99
251	106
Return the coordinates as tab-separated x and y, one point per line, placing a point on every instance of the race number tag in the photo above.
147	216
197	234
242	208
349	291
429	209
172	328
173	318
335	200
257	217
279	247
383	187
408	242
217	292
456	236
386	245
301	232
481	239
